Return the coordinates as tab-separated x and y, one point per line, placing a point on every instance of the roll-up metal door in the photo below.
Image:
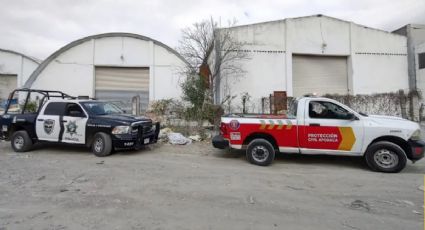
319	74
121	84
8	82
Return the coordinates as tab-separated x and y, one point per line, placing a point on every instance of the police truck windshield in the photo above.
101	108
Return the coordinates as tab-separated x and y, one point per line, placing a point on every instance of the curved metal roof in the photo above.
21	54
44	64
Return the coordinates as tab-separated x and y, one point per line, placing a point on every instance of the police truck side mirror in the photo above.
351	116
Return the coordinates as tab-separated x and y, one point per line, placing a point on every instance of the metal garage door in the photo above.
121	84
8	83
319	74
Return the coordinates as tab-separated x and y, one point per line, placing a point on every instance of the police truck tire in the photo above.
260	152
102	145
384	156
21	141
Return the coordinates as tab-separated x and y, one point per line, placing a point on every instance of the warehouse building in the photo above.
119	67
314	54
15	69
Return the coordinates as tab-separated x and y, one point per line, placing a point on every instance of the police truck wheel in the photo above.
102	145
260	152
385	156
21	141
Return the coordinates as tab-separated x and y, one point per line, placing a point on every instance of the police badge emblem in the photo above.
49	126
71	128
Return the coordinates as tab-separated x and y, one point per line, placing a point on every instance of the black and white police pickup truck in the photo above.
53	116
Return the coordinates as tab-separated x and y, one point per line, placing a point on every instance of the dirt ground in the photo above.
199	187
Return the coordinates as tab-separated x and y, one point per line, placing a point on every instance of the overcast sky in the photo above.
40	27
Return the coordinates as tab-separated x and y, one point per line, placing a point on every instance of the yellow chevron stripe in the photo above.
348	138
271	126
263	124
289	125
280	124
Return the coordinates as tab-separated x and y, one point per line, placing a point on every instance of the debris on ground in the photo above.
251	200
408	202
294	188
360	205
78	179
100	163
178	139
41	178
196	137
417	212
81	180
163	133
345	224
63	190
421	187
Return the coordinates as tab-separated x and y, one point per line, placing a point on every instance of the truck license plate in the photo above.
4	128
146	141
235	136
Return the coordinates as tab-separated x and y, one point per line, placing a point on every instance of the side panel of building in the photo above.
122	51
10	63
71	72
167	71
265	73
318	35
16	65
263	66
379	61
373	57
420	70
324	45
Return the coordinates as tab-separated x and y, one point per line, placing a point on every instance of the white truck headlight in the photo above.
121	130
416	135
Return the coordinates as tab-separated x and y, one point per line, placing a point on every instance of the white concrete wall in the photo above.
264	65
16	64
73	70
417	33
377	60
318	35
420	73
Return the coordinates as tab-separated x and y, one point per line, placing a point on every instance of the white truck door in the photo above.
329	128
47	125
74	121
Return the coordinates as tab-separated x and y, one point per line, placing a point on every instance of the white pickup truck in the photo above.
317	125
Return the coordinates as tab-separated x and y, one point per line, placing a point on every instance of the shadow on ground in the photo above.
60	148
316	160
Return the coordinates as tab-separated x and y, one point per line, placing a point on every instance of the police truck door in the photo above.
47	124
74	122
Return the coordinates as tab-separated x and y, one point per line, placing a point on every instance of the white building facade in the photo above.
420	69
15	69
113	66
315	54
415	34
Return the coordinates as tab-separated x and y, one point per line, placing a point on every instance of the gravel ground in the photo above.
199	187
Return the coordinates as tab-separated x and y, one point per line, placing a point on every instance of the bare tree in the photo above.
204	44
196	43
